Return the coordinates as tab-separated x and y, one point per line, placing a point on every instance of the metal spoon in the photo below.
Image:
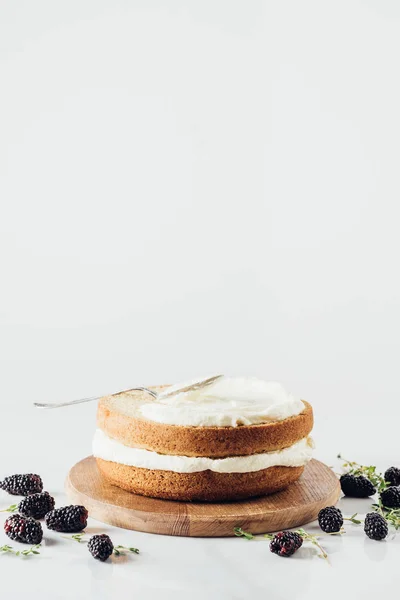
194	385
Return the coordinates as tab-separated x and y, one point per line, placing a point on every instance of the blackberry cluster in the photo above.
392	476
285	543
100	546
356	486
391	497
22	485
375	526
36	505
330	519
23	529
68	519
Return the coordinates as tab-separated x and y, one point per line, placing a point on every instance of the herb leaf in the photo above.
12	508
27	552
392	515
239	532
370	472
120	550
77	537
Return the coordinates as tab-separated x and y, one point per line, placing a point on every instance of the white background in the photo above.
190	187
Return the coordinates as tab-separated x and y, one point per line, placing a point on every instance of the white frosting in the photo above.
111	450
230	401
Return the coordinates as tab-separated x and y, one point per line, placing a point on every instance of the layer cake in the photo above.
237	438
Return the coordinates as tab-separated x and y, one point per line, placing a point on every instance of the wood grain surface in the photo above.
299	504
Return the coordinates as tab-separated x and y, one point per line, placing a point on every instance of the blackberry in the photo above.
356	486
22	485
391	497
100	546
68	519
36	505
375	526
330	519
392	476
285	543
23	529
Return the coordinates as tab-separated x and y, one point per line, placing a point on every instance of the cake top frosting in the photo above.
230	401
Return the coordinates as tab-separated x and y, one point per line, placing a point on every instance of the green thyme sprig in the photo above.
27	552
118	550
392	515
12	508
352	519
239	532
370	472
77	537
308	537
122	550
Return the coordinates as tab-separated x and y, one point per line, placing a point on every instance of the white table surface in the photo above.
171	567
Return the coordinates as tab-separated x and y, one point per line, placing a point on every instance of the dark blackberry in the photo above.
330	519
68	519
23	529
36	505
391	497
356	486
375	526
392	476
22	485
100	546
285	543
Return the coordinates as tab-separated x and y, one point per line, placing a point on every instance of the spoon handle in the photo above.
92	398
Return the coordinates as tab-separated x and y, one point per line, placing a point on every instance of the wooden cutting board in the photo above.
299	504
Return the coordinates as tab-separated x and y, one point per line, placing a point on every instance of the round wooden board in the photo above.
299	504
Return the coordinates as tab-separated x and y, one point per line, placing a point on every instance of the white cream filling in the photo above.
229	402
109	449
